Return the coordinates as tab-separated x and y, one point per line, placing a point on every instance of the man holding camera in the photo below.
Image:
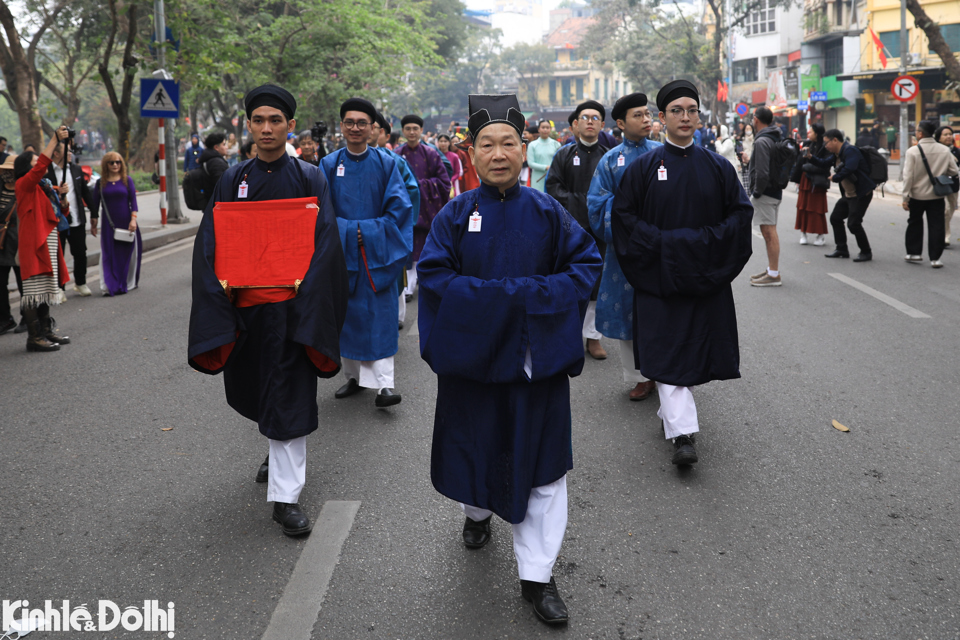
74	196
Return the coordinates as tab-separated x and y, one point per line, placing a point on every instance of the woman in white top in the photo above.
727	147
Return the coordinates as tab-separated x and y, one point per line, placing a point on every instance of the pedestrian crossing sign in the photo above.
159	98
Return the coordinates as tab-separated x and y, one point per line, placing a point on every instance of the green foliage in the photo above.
529	62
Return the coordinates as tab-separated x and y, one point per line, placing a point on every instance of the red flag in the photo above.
726	91
879	45
719	91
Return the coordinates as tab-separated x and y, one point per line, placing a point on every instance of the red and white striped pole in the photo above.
163	173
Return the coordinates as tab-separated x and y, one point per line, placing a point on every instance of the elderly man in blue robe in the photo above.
681	231
375	218
615	299
505	277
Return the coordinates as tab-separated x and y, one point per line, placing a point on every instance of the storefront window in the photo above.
951	33
745	71
891	42
833	58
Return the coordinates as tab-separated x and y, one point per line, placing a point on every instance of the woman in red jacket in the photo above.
42	266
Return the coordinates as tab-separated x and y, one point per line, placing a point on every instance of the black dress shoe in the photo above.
684	452
476	534
7	326
292	519
263	473
863	257
547	603
839	253
347	390
408	297
387	398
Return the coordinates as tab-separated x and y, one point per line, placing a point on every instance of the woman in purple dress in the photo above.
116	197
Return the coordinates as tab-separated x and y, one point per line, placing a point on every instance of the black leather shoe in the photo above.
476	534
839	253
408	297
347	390
547	603
292	519
8	326
684	451
263	473
863	257
387	398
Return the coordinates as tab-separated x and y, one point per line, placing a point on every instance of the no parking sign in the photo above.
742	109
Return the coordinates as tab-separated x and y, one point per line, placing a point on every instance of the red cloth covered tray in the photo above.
264	244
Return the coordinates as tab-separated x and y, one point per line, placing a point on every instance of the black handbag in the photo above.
942	185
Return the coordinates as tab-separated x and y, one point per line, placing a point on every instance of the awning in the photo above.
928	77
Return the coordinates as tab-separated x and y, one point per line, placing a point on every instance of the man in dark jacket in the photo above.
766	193
212	160
852	172
77	196
568	181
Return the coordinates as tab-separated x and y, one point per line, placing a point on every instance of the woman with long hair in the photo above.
814	182
944	135
443	143
116	196
42	266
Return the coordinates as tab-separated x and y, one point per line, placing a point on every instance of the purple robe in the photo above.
434	184
119	261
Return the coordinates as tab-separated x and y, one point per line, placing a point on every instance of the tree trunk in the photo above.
937	43
121	103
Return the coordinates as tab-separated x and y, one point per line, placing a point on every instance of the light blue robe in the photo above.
371	195
615	299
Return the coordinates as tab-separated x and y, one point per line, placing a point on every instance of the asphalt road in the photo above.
126	477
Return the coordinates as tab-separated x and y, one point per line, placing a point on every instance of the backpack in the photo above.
196	191
785	159
878	165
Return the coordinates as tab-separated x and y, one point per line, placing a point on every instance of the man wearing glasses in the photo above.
568	181
615	302
427	166
681	231
375	218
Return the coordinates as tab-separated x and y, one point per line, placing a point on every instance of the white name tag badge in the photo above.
474	226
621	161
662	173
242	191
576	161
340	171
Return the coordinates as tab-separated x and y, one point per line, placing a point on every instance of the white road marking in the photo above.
299	606
882	297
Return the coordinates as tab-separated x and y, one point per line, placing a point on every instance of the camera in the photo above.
71	134
318	131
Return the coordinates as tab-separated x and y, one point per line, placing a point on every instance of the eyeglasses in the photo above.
590	118
677	112
114	161
355	124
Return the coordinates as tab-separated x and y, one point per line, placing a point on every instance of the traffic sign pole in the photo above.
904	125
161	136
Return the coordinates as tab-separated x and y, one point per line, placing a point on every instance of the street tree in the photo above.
937	43
530	63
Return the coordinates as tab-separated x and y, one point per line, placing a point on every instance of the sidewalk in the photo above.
154	234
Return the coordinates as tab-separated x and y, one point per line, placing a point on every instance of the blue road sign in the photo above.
818	95
802	105
742	109
159	98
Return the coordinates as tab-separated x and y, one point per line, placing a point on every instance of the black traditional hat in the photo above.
676	89
270	95
590	104
491	109
626	103
572	118
411	119
358	104
382	121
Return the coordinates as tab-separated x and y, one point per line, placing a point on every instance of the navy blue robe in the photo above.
521	283
272	353
371	196
680	243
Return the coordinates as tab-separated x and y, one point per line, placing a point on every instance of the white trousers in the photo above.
590	322
677	410
371	374
403	306
626	359
288	470
536	540
411	287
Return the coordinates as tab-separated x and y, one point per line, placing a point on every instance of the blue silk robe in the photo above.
519	286
413	190
681	242
615	300
271	353
370	196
